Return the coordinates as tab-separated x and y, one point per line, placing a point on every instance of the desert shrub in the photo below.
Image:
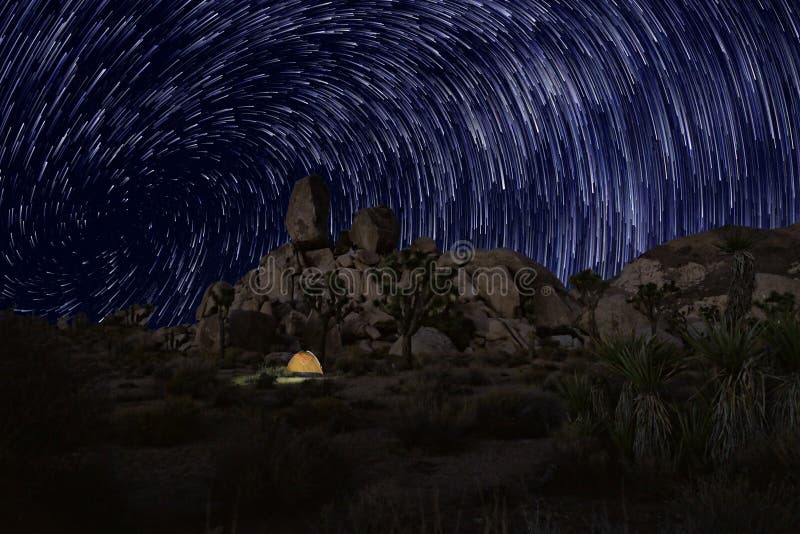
66	493
586	402
379	510
50	403
265	381
277	470
514	414
265	376
430	418
583	463
329	413
194	378
503	358
175	421
454	325
229	395
719	503
287	394
782	337
692	433
354	364
474	376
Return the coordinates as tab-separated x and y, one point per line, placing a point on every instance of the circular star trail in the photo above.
149	148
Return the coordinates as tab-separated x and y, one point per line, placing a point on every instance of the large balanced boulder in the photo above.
427	341
308	213
376	230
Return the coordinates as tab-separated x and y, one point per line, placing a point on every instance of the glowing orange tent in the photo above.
304	362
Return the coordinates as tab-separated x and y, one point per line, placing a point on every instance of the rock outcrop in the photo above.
703	273
308	215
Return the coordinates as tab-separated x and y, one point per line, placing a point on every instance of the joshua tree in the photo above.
590	287
738	245
332	297
222	295
654	301
413	289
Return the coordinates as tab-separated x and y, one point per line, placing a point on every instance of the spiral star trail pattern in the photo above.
149	148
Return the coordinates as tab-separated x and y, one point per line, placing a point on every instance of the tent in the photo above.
304	362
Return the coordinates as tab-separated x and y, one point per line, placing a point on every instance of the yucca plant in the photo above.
782	336
585	402
642	417
733	351
692	430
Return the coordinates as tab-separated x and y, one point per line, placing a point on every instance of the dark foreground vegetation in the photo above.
627	435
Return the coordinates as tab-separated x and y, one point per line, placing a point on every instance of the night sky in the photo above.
148	148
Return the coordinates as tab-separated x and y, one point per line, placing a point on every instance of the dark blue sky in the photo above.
148	148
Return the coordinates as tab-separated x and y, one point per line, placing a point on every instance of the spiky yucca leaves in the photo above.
586	403
692	429
642	418
782	335
733	350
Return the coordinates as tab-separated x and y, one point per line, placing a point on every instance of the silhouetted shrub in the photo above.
354	364
194	378
332	414
515	414
722	504
175	421
275	469
433	420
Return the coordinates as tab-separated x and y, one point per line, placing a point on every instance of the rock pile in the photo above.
269	312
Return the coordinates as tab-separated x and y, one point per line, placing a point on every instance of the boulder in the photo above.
377	318
313	336
207	306
277	275
375	229
308	213
321	259
425	245
343	244
293	323
366	258
426	341
496	287
250	330
345	260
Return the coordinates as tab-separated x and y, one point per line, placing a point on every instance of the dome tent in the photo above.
304	362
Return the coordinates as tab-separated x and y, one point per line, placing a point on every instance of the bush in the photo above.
721	504
328	413
194	378
175	421
354	364
513	415
49	402
277	470
455	326
429	419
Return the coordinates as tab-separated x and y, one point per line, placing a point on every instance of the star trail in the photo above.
149	148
